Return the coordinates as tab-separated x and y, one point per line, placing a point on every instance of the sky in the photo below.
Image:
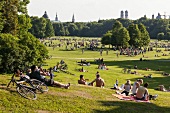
93	10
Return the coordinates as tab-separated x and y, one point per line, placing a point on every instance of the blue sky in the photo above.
92	10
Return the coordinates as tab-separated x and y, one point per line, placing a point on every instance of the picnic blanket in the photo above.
129	98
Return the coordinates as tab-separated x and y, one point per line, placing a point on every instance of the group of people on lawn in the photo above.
141	92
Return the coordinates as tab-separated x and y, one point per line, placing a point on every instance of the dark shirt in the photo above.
37	75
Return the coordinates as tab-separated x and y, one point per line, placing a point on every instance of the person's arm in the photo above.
147	94
92	82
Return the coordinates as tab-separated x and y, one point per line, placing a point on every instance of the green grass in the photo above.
88	99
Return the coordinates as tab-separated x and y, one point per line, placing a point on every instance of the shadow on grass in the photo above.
161	64
155	81
131	107
154	65
10	89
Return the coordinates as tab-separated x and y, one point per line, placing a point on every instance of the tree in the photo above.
160	36
24	24
1	18
10	15
72	28
106	39
135	36
115	33
123	37
167	36
38	27
145	38
49	32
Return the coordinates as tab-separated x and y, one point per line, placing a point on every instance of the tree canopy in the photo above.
19	48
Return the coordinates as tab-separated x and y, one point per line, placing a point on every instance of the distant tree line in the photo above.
18	47
135	35
157	28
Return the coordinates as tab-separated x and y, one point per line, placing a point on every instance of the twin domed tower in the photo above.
122	15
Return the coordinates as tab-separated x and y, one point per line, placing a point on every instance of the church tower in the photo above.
56	18
121	14
126	14
45	15
73	19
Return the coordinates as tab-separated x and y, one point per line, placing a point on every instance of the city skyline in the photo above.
93	10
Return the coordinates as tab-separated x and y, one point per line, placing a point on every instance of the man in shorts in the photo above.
99	81
36	74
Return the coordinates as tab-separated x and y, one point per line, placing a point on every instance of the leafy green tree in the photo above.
1	18
167	36
49	32
106	38
38	27
23	6
123	38
73	29
24	24
35	52
115	33
10	15
135	35
160	36
145	38
11	54
59	29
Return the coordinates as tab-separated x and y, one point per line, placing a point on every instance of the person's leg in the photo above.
127	93
55	83
123	92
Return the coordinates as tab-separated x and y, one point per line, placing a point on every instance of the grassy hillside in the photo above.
88	99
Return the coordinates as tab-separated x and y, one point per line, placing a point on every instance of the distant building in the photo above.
126	14
56	18
153	17
73	19
45	15
159	16
121	14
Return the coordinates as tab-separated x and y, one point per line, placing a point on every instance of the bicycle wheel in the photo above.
40	86
26	93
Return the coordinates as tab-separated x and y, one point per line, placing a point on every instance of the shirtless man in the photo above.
136	85
142	92
99	81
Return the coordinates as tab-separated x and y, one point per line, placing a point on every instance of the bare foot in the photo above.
67	86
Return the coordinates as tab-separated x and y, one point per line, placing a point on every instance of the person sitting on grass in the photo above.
142	92
99	81
35	74
127	88
136	85
82	80
82	70
135	67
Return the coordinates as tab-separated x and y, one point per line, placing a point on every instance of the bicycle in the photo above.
23	90
36	84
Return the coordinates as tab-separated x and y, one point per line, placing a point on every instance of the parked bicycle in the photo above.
23	90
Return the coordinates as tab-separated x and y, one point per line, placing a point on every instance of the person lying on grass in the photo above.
99	81
162	88
18	73
35	74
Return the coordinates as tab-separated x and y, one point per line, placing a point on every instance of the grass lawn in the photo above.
88	99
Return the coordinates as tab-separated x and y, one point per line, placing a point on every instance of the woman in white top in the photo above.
127	88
